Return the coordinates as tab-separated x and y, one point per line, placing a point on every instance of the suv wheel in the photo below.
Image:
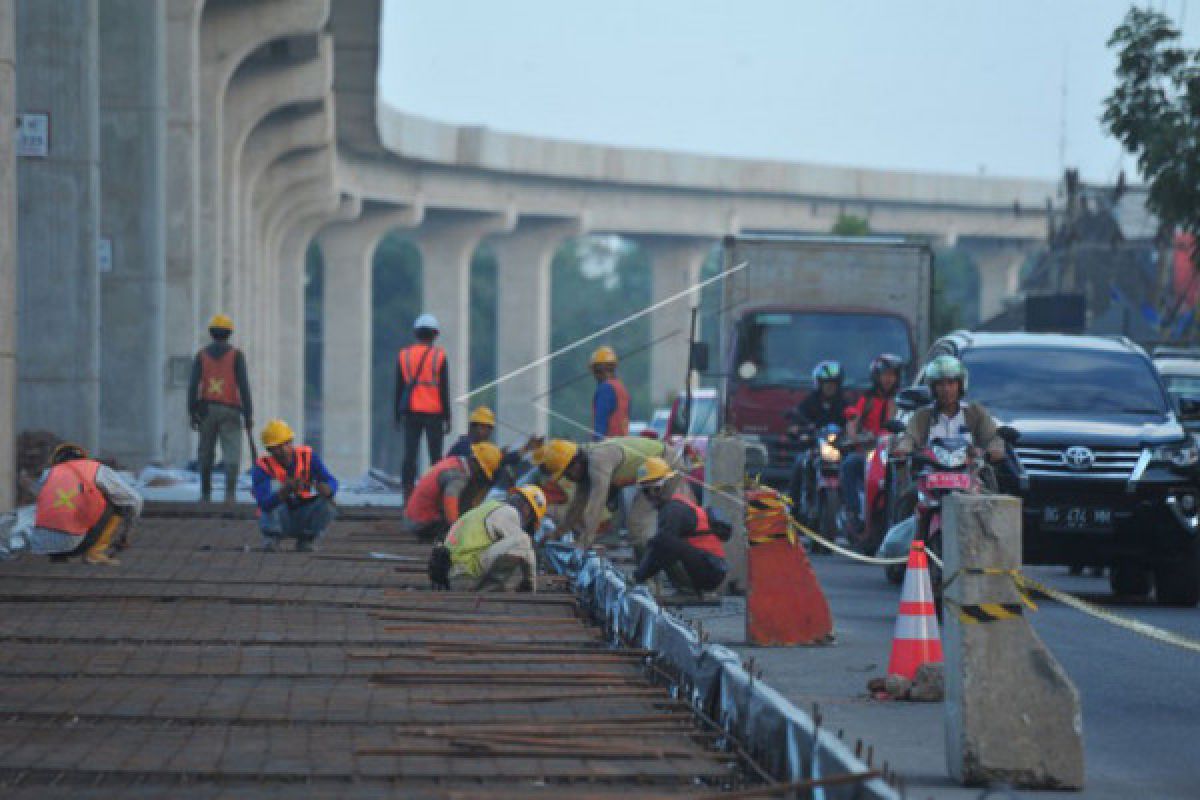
1129	579
1177	582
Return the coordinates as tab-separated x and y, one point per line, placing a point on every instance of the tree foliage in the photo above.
850	225
1154	112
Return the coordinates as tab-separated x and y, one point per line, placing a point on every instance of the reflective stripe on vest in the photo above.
70	502
703	539
426	394
469	538
218	378
425	505
301	463
618	421
635	449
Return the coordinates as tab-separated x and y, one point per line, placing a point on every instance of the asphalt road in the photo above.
1141	699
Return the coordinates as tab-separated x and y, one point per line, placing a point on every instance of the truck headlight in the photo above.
1180	454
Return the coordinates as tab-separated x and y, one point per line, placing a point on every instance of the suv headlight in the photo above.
1180	454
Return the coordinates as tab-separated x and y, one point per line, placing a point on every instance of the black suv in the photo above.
1106	471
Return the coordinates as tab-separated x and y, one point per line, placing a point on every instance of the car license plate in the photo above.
1077	518
948	480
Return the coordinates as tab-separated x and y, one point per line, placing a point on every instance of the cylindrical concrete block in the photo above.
725	470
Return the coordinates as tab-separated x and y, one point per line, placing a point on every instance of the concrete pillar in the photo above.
999	270
8	257
676	262
523	318
726	467
1012	713
447	242
346	394
59	350
182	335
133	119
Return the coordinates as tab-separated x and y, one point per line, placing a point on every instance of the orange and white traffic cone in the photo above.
916	640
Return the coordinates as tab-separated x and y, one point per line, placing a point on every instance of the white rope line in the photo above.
597	334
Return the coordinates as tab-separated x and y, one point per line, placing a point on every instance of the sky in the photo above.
971	87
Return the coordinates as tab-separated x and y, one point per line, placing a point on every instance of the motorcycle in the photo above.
822	497
865	534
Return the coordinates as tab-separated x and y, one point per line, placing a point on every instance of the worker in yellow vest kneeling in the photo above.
490	548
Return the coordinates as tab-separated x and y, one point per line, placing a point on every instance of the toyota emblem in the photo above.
1079	458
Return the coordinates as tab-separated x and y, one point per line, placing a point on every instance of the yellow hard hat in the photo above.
488	457
221	322
557	455
536	499
653	471
604	355
277	432
68	451
482	415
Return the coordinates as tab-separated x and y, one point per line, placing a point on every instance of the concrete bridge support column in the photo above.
133	119
182	334
8	257
523	319
447	242
676	262
999	272
59	214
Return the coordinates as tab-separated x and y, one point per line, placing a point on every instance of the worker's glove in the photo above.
439	568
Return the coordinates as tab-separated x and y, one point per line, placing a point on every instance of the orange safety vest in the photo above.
618	421
218	378
704	539
301	470
426	505
426	394
70	502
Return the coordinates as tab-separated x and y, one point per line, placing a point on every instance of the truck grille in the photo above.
1115	463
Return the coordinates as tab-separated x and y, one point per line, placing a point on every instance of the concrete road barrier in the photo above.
726	470
1012	713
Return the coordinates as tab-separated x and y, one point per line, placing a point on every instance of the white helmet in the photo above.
427	321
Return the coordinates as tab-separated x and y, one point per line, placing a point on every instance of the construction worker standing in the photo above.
219	405
83	508
422	398
610	402
293	488
599	470
449	489
491	547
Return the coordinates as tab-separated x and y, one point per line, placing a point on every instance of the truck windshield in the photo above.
784	346
1063	380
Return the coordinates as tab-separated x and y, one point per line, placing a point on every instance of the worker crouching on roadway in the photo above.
686	534
293	488
453	486
610	401
490	548
600	470
83	508
218	405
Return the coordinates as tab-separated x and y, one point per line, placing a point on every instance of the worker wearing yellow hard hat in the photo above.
293	488
491	546
219	405
450	488
610	401
481	425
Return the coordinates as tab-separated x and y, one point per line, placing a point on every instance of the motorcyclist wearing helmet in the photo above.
950	415
826	405
875	407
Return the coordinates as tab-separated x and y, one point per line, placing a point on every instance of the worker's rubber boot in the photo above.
304	544
206	487
98	552
231	488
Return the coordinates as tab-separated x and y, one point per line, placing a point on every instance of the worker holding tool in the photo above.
610	402
686	535
83	508
294	490
599	471
490	548
422	398
219	406
453	486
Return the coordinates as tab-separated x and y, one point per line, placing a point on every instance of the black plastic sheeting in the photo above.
781	738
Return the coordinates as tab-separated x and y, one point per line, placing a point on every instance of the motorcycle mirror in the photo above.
894	426
1009	434
913	397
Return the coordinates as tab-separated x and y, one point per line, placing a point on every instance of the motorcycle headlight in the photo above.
830	453
1180	454
950	458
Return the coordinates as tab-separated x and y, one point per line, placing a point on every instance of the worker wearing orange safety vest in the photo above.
293	489
422	401
610	402
219	405
83	508
687	534
452	487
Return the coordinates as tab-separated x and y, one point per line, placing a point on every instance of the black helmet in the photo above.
827	371
885	361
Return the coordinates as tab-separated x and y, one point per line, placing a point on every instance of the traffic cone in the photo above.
916	640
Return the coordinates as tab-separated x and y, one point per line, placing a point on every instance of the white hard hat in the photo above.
427	321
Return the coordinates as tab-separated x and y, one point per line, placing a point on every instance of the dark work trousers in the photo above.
704	570
414	426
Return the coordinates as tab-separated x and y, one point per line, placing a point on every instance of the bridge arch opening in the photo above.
396	291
